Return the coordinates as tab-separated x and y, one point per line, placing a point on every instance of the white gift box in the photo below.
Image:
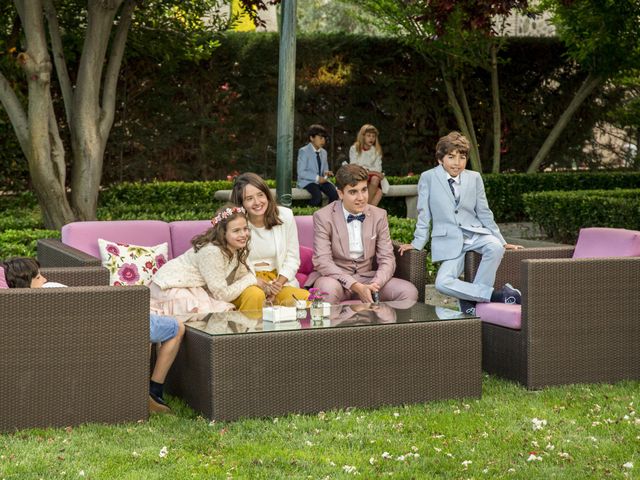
278	313
326	309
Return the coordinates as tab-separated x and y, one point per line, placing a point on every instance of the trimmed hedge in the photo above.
562	214
22	243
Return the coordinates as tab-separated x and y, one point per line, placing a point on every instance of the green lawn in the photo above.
584	431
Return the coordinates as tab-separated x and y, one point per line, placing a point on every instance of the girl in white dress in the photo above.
367	152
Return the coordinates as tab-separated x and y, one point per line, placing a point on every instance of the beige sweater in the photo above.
208	267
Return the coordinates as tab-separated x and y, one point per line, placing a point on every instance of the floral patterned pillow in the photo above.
132	264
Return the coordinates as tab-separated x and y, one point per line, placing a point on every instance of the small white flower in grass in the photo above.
396	414
538	424
275	420
414	448
450	455
164	451
456	411
628	465
372	460
595	424
135	454
593	439
349	469
564	455
466	463
484	435
637	421
550	447
437	449
81	473
626	417
485	470
386	455
511	470
332	463
309	443
400	458
212	423
534	444
533	457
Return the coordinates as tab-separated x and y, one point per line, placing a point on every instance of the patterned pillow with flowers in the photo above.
132	264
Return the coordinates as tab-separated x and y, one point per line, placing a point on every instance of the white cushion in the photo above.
132	264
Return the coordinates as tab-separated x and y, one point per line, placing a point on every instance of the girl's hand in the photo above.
264	286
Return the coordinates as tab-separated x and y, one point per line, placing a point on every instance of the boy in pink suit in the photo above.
351	239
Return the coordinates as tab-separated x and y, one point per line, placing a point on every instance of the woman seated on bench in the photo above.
212	275
275	252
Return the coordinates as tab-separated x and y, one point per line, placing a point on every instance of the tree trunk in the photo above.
476	163
588	86
44	145
497	120
460	118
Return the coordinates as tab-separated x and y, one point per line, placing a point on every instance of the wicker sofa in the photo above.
578	321
79	244
74	355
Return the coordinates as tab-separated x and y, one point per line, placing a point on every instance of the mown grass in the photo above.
585	431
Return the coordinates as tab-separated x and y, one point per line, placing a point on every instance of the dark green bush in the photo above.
562	214
22	243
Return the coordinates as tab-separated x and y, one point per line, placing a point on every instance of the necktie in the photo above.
351	218
451	180
319	164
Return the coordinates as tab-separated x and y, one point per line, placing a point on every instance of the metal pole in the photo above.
286	97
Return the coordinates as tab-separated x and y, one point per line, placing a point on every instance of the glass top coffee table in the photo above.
235	364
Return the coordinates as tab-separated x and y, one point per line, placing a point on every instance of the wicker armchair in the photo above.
74	355
579	319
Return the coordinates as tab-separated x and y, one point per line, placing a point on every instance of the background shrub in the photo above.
562	214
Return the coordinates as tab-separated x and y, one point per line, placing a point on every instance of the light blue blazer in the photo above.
308	165
437	205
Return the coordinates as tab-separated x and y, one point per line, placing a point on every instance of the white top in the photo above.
263	249
369	159
356	248
208	267
285	238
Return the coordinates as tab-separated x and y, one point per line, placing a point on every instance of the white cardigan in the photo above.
208	267
369	159
287	247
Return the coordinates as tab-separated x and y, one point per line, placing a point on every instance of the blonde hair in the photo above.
359	143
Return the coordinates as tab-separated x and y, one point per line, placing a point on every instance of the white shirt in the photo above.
263	249
356	248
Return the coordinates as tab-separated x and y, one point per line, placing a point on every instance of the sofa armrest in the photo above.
74	355
53	253
580	319
412	266
510	267
77	276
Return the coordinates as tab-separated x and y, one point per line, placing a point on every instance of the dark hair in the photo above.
350	174
20	271
271	218
317	129
452	142
216	234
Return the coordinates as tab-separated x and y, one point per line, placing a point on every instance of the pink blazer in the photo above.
331	247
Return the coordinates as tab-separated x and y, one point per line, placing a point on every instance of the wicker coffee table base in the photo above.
227	377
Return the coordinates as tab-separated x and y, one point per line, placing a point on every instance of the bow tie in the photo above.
351	218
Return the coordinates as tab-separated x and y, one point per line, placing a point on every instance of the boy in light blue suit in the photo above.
453	200
313	167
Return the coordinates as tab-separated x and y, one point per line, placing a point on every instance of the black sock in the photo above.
497	295
156	388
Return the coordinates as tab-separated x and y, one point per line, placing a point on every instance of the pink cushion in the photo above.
3	280
305	230
607	242
301	277
306	260
183	231
84	235
505	315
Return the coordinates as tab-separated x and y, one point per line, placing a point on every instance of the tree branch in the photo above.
16	112
58	59
113	68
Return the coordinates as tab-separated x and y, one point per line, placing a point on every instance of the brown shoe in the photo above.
157	407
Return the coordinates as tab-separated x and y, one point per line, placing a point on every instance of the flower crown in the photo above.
226	213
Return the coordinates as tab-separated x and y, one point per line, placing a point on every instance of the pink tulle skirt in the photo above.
182	301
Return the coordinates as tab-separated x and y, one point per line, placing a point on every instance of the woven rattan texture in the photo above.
77	276
579	320
266	374
73	355
412	266
54	253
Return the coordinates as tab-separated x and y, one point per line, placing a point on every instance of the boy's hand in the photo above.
511	246
405	247
328	173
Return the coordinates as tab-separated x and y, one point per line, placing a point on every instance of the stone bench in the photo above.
410	192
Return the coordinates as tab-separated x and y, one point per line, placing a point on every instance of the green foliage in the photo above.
22	243
562	214
590	432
